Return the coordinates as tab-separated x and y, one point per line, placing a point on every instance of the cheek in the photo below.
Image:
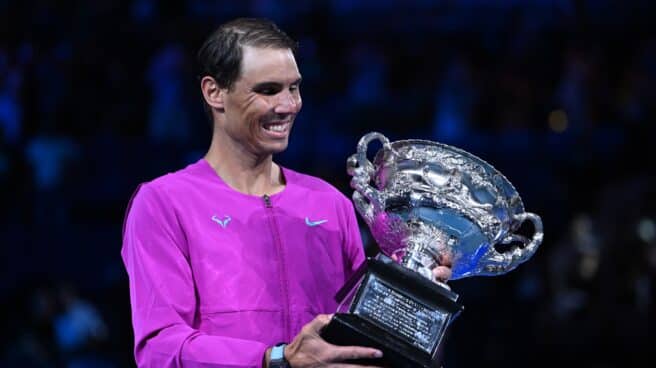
254	114
256	108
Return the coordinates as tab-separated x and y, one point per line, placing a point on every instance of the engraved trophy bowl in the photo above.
431	201
426	204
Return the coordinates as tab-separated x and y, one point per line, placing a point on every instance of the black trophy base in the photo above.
351	330
383	315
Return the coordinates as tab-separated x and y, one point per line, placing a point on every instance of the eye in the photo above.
268	89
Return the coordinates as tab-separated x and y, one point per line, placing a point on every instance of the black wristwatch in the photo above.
277	359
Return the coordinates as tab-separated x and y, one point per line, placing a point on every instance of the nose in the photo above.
288	103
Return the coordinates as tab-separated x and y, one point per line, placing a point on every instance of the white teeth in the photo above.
276	127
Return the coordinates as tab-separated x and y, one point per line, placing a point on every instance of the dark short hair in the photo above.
221	55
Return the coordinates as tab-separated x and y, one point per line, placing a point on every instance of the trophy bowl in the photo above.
426	204
432	201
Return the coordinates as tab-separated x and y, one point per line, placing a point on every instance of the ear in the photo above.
212	93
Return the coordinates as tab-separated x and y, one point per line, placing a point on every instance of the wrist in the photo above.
266	358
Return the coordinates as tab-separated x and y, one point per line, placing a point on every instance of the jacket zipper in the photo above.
282	268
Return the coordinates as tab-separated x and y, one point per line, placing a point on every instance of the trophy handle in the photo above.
368	201
501	263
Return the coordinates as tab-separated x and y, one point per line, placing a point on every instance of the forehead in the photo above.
261	64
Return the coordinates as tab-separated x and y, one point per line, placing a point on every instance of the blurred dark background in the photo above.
98	96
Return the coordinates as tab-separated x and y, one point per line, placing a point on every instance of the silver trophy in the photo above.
425	203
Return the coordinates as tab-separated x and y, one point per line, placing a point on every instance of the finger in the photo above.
319	322
442	273
445	259
341	353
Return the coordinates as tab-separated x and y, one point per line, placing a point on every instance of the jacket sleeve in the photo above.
353	239
163	293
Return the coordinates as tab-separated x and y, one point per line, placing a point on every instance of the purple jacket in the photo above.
217	276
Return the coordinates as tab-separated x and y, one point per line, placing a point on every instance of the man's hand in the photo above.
442	272
309	350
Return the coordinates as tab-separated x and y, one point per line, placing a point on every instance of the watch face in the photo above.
278	357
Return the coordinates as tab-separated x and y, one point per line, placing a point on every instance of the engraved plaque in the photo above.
409	319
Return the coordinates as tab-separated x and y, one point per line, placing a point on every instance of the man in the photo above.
234	254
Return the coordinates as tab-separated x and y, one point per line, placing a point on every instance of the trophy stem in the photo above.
421	258
417	259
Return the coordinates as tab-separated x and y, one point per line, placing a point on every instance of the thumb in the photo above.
319	322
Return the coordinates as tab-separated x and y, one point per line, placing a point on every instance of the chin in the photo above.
279	149
275	148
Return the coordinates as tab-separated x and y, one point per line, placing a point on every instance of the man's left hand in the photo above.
442	271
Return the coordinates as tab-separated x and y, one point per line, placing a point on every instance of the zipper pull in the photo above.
267	200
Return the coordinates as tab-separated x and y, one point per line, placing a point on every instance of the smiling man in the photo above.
234	256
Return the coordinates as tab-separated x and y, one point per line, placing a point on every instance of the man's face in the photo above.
261	108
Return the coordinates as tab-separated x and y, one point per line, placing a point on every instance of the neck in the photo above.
242	170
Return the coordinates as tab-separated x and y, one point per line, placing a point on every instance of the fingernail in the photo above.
378	354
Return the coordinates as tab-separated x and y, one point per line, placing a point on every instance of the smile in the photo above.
278	127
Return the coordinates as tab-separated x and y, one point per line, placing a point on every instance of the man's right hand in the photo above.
309	350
